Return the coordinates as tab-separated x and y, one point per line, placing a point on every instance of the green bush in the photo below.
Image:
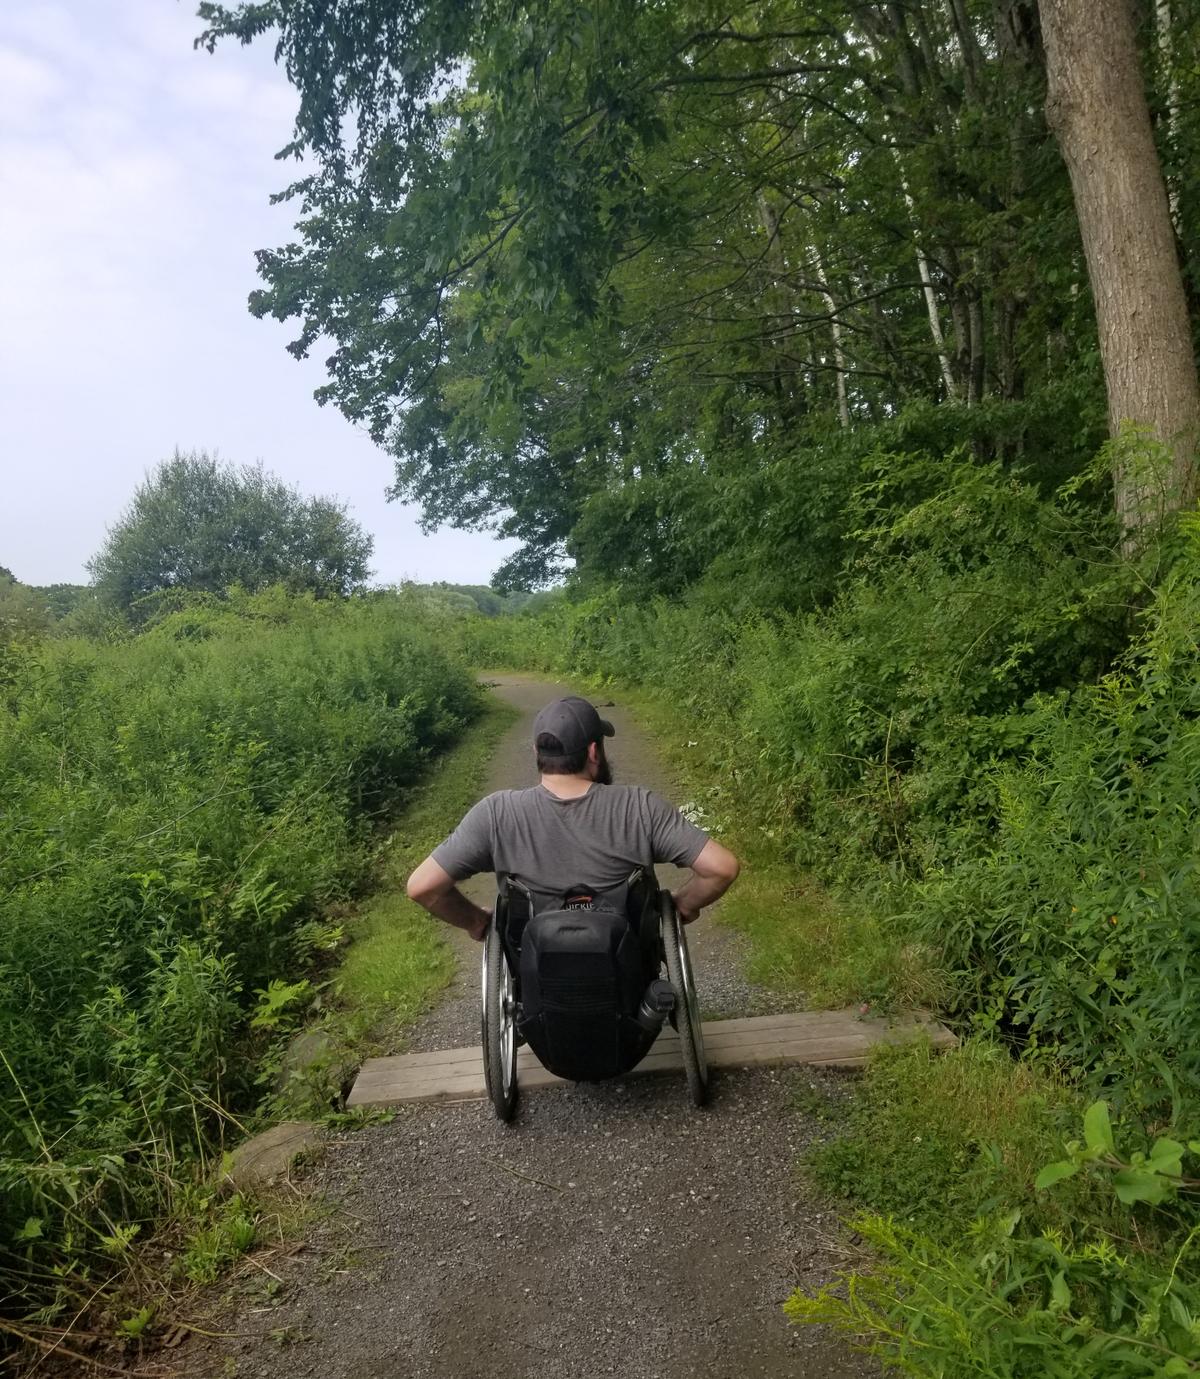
178	810
1077	922
1013	1305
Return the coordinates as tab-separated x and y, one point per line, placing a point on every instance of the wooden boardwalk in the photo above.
824	1038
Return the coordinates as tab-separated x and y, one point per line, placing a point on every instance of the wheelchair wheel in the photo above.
499	1026
687	1005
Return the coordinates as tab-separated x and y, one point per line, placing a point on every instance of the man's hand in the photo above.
433	888
685	916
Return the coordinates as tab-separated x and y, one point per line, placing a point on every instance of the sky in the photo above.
135	176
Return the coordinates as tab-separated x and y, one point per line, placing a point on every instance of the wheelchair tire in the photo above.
499	1026
687	1005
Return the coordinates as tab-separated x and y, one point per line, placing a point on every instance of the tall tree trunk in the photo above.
835	327
931	302
961	322
968	47
885	26
1023	74
1096	105
1008	363
1166	57
779	304
978	373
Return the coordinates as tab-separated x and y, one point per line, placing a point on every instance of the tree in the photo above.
196	524
24	613
560	251
1096	104
64	599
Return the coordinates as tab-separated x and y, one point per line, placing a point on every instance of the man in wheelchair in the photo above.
578	912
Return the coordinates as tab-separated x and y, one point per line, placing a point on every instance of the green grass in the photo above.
936	1138
395	966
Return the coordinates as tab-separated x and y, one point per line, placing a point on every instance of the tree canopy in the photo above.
623	268
199	525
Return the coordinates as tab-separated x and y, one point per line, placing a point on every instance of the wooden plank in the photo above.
787	1035
835	1038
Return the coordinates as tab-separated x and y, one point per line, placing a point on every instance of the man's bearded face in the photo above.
601	768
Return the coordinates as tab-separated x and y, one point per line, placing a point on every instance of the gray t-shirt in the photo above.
596	839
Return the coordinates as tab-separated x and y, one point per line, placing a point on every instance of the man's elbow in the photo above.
717	864
427	883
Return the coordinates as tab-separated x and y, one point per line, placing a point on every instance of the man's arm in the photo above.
713	872
433	888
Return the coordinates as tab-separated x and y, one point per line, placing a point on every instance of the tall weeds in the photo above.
178	811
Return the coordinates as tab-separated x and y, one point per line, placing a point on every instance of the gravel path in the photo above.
607	1230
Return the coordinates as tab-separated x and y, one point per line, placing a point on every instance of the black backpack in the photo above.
584	961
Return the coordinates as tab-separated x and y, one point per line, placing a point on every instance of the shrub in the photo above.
989	735
969	737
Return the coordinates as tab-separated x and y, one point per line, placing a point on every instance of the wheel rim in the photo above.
691	999
508	1028
484	975
506	1022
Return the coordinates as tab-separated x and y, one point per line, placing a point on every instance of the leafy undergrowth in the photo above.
190	816
799	938
386	962
395	959
989	739
984	1251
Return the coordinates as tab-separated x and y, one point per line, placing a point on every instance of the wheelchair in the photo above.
577	977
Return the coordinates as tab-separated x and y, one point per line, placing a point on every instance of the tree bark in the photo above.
1096	105
884	26
931	302
835	327
779	304
977	376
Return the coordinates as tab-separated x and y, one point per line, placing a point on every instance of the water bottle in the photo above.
657	1004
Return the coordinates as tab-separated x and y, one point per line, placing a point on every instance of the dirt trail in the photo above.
608	1230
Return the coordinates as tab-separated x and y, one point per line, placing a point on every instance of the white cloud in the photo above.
28	88
136	173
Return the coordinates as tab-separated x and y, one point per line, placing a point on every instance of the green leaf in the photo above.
1166	1157
135	1325
1137	1185
1054	1173
1060	1294
1097	1129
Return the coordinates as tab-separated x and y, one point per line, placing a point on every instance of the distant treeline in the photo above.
480	598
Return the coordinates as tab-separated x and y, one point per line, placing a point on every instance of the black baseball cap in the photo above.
574	722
